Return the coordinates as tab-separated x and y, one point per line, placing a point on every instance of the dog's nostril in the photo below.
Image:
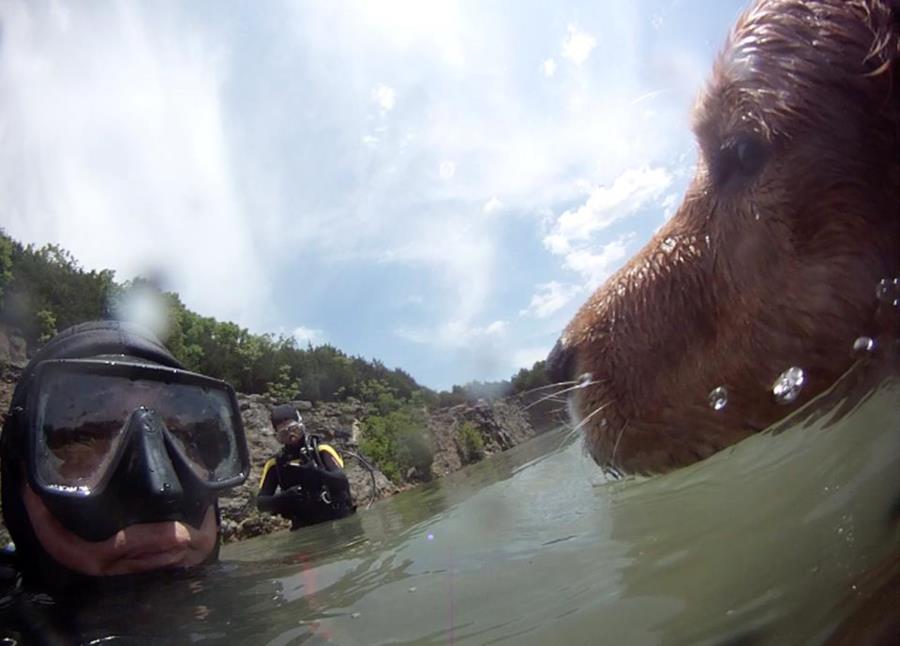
560	362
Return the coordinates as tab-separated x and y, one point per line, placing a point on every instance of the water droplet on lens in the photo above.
864	345
667	245
788	385
585	380
718	398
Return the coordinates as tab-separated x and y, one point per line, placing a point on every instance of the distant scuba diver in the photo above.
309	473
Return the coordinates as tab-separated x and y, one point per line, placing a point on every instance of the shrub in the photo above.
398	441
471	442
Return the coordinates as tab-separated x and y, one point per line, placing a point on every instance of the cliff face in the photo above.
459	435
500	424
334	422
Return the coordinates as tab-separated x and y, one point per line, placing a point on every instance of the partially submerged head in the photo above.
773	258
113	456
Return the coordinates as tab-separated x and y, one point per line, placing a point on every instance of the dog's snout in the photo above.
560	362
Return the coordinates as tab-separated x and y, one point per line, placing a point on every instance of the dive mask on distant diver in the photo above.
110	443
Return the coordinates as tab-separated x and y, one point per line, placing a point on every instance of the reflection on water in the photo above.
768	541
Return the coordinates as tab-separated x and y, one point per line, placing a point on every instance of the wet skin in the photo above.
134	549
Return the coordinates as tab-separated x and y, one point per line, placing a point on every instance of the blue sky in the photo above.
436	185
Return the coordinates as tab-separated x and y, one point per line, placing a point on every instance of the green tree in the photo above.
6	260
284	387
46	325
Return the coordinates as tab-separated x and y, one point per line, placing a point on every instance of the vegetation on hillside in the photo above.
44	290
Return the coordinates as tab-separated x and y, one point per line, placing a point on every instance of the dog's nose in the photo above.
560	362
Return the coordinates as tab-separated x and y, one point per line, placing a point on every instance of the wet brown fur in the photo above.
761	271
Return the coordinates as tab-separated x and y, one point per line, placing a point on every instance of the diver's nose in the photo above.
152	469
561	362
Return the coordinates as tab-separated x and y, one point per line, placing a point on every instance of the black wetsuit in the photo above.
313	485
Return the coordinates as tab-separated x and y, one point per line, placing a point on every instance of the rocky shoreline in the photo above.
501	424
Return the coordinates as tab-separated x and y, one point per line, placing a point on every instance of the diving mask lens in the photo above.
292	431
82	419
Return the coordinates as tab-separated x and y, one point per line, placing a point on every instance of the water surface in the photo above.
766	542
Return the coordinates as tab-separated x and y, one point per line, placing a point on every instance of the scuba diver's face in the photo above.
290	433
134	549
125	462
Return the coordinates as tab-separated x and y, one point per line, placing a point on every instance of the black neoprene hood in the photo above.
92	339
284	413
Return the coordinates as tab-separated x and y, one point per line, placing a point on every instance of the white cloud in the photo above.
492	205
308	336
114	144
447	169
669	204
384	96
549	299
548	67
597	267
527	357
605	205
578	45
457	333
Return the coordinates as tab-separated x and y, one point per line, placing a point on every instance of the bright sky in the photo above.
435	185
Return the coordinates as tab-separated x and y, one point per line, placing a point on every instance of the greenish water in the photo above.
762	543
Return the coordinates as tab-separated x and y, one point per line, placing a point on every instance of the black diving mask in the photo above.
112	443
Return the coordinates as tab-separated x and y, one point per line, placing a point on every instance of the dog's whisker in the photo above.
612	459
578	384
596	411
546	386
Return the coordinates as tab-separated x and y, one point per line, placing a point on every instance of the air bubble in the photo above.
718	398
788	385
667	245
864	345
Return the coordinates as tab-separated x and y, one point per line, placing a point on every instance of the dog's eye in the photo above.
741	157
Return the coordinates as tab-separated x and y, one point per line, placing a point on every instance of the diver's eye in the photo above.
740	158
